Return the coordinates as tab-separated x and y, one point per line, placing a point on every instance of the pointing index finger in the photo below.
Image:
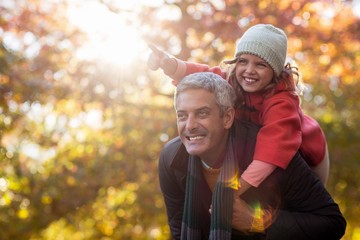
155	49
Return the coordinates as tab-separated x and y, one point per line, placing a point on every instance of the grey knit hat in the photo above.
265	41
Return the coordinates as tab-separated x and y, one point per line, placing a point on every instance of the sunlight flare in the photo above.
110	38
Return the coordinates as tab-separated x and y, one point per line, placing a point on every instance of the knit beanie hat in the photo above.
265	41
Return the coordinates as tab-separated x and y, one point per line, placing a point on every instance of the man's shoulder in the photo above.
244	130
174	154
172	146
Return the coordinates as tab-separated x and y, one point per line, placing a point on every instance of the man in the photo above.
199	170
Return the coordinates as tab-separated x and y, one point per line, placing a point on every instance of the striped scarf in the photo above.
222	199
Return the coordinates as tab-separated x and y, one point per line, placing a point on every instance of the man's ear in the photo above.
229	116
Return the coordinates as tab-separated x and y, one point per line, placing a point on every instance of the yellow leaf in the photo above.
23	213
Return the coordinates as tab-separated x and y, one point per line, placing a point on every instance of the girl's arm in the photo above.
255	173
280	136
176	68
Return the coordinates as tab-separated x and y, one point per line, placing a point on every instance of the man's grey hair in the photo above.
225	96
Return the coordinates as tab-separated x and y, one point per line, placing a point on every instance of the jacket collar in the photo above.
179	160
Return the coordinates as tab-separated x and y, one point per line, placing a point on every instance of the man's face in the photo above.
201	128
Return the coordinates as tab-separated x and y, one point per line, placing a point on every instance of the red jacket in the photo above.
284	127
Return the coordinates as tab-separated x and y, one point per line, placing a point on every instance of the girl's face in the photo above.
253	73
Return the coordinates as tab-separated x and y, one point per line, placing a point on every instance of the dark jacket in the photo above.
305	210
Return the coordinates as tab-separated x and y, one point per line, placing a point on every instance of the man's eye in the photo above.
203	113
180	116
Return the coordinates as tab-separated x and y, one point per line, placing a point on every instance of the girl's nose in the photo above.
250	68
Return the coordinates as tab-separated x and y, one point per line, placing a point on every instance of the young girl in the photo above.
267	96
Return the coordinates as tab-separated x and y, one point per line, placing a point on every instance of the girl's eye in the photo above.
263	65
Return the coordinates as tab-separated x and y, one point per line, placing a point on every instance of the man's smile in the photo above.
194	138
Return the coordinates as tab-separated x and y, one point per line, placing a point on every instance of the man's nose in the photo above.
191	123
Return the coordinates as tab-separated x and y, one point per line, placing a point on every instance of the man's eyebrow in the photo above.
203	108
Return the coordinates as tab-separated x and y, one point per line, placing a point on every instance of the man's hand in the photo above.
160	59
248	219
242	215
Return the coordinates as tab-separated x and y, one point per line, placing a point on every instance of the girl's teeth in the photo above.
249	80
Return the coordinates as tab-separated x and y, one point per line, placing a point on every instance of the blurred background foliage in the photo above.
82	119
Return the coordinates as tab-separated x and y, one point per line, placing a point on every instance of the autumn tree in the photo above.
80	137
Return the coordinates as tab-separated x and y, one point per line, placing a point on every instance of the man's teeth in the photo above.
195	138
249	80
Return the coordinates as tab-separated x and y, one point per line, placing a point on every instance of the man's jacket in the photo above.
304	209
